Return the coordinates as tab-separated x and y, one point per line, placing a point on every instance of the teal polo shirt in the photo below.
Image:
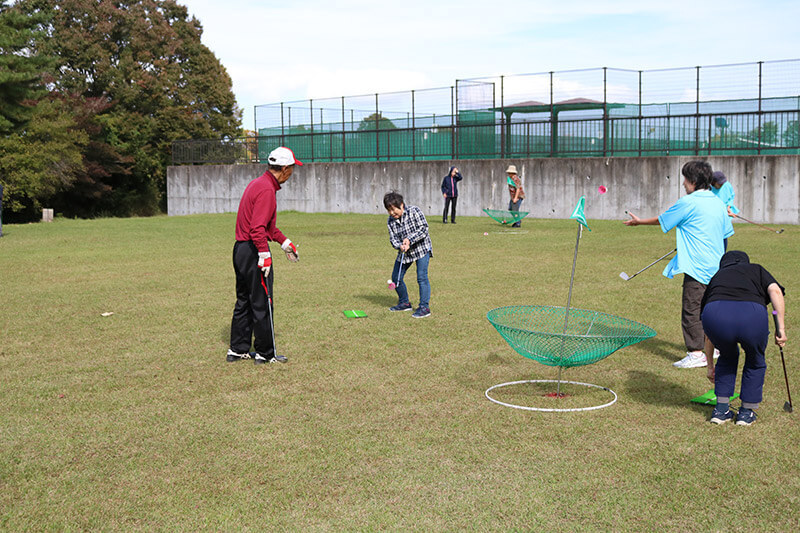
726	194
701	223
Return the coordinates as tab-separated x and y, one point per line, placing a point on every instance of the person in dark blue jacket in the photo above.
450	193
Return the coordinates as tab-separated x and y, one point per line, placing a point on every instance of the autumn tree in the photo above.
39	162
136	77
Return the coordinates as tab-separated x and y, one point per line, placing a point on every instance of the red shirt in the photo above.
255	220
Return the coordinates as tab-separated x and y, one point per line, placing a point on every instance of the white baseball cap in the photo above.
283	157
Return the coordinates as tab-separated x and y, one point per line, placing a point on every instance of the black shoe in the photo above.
260	359
236	356
452	221
444	222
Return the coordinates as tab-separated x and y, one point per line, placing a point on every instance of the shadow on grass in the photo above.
383	300
670	351
477	371
650	388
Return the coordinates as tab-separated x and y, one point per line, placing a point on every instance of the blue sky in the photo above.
299	49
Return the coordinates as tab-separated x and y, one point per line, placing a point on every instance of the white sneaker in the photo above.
692	360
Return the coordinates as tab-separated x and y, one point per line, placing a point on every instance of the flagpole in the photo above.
572	276
569	301
578	215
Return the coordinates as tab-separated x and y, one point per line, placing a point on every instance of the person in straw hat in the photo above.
515	190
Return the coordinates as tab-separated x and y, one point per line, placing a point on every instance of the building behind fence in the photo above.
741	109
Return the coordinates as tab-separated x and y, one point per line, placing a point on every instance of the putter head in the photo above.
788	407
624	276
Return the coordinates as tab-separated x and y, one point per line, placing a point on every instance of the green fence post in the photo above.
413	130
311	119
344	153
758	151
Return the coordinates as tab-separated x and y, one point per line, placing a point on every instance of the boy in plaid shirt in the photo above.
408	233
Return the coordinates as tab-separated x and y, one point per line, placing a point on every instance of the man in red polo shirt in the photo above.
252	262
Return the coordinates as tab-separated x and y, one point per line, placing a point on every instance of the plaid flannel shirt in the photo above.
412	226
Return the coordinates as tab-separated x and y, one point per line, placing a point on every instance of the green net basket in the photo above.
506	217
537	332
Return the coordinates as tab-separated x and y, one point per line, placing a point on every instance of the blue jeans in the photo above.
729	324
514	206
399	272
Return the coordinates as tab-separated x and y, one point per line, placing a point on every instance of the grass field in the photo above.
134	421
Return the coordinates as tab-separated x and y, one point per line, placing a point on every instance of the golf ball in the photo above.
486	233
602	189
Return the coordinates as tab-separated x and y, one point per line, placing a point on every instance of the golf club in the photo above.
393	284
626	277
264	283
788	405
759	225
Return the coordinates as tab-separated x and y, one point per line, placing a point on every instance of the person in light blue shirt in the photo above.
701	225
724	191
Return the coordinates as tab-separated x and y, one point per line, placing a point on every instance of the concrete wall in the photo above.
767	187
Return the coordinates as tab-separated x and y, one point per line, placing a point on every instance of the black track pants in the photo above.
251	315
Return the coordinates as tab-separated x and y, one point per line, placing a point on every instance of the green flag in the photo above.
578	215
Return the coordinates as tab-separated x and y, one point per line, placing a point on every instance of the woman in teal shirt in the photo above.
701	226
724	191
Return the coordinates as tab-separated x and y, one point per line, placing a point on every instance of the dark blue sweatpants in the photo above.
729	324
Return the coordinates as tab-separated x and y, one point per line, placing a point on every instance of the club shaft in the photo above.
656	261
400	270
757	224
783	361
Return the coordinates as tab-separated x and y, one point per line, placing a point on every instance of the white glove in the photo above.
291	251
264	262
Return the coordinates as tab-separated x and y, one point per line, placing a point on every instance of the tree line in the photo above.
92	94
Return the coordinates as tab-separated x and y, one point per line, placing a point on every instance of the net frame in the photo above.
506	217
587	336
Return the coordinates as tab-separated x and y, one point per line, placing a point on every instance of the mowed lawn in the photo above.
134	421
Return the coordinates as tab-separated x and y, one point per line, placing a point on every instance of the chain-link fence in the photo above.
749	108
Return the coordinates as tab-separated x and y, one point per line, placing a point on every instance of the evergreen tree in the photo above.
20	71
